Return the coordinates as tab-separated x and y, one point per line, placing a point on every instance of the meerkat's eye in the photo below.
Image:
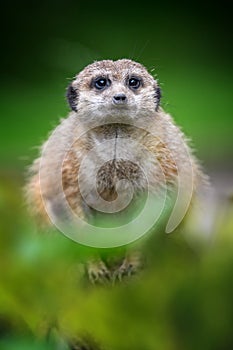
134	83
101	83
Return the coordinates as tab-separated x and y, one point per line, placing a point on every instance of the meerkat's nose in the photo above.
119	99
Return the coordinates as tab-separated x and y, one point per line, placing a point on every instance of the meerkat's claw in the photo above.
129	267
98	272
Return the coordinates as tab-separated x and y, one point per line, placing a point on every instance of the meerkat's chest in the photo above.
111	173
117	164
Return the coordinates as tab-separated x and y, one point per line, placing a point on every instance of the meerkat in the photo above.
112	103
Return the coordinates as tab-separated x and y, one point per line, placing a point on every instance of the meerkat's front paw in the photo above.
98	272
130	266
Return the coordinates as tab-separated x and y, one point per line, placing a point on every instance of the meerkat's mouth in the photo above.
120	106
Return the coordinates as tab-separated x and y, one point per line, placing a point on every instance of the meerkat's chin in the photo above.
117	118
112	114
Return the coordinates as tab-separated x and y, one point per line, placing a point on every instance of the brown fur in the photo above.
82	131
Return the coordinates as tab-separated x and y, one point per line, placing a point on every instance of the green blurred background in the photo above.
186	300
45	43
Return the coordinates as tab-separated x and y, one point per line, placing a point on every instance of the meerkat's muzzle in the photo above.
119	99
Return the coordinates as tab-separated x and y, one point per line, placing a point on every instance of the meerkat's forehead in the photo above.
117	69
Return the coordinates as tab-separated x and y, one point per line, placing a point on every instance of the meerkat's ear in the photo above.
157	96
72	97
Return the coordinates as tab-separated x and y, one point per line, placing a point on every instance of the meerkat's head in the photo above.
117	90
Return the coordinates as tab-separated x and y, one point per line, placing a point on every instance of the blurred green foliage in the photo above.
183	299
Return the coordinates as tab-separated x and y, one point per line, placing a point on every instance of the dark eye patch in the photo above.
134	83
101	83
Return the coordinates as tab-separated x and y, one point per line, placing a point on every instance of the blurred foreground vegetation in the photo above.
183	299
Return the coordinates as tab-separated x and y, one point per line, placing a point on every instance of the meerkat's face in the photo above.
117	90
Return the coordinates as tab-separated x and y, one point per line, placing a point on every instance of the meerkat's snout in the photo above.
119	99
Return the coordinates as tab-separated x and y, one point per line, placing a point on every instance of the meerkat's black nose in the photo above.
119	99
